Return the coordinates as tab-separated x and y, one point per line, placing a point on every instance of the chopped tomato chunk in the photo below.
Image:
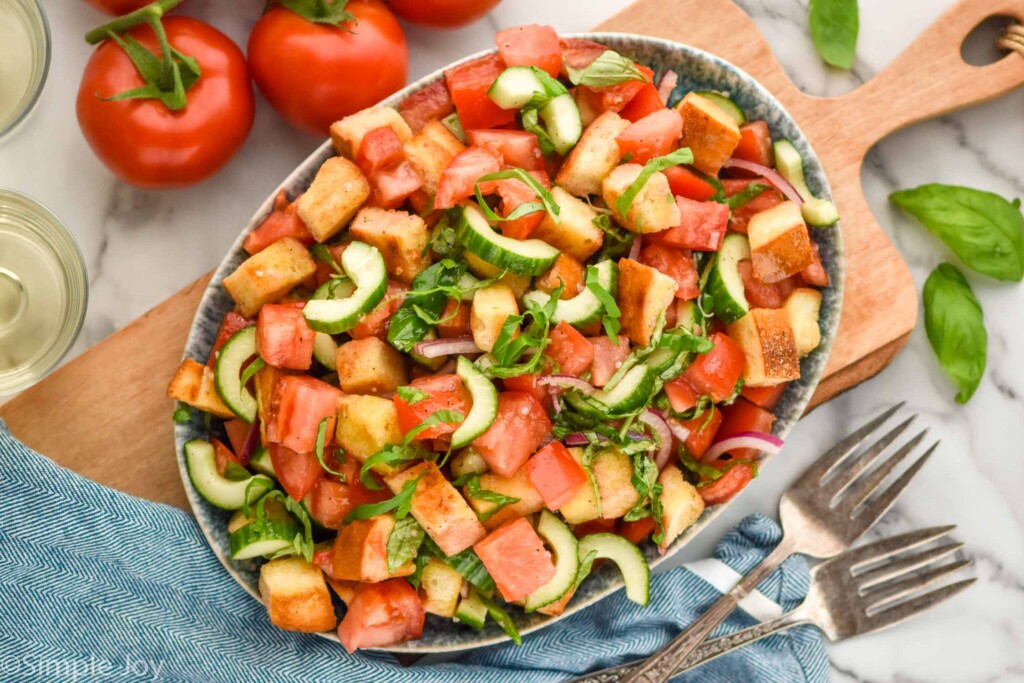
458	180
517	148
379	149
579	53
681	396
685	183
468	84
518	430
392	186
282	222
455	317
702	227
238	434
530	384
716	372
232	324
516	558
423	106
654	135
297	471
298	405
555	474
222	455
446	392
742	214
375	323
283	339
608	357
764	397
514	193
646	101
755	143
570	350
332	500
760	294
382	614
677	264
815	274
744	416
530	45
636	531
594	526
723	489
702	431
567	273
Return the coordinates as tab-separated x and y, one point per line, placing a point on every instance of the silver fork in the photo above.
849	596
823	513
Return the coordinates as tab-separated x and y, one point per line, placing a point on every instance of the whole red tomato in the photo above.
442	13
118	7
142	141
314	73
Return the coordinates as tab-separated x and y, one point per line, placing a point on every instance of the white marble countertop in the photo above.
142	246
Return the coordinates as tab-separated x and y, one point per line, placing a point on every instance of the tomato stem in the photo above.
143	15
331	12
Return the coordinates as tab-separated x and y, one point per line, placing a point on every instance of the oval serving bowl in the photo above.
697	70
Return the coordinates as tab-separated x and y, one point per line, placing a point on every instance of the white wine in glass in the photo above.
24	60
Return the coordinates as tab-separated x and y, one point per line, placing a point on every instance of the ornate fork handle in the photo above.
708	650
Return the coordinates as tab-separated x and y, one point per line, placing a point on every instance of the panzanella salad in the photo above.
535	316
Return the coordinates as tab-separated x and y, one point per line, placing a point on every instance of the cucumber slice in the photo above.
485	403
817	212
261	463
515	87
563	122
227	376
454	126
325	350
723	281
567	562
254	540
364	265
689	317
726	104
585	307
524	257
472	611
631	393
586	406
631	562
224	493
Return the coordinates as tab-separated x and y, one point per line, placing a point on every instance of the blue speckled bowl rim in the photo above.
443	635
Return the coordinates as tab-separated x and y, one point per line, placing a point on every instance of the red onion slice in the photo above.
434	348
657	423
678	430
759	441
567	382
667	85
252	442
578	439
634	249
770	174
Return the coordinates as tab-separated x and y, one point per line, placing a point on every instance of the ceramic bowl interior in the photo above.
697	70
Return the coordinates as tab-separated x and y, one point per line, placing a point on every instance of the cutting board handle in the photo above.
931	78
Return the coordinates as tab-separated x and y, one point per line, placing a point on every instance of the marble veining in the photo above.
140	246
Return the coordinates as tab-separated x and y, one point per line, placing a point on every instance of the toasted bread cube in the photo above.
644	296
491	306
485	270
575	233
430	152
516	486
334	197
681	503
593	157
710	133
567	273
267	276
766	337
613	472
653	209
296	596
780	245
366	424
583	506
361	551
192	384
557	607
345	590
369	366
348	133
400	237
440	588
440	510
804	308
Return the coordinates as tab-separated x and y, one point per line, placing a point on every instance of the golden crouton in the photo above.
804	307
439	508
680	502
430	150
361	551
366	424
399	236
369	366
192	384
575	232
593	157
267	276
440	588
710	133
348	133
516	486
653	209
766	337
334	197
296	596
583	506
644	296
780	245
491	307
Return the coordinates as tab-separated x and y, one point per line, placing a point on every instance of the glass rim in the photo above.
45	224
41	29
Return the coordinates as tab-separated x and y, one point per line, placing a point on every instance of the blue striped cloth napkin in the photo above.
96	585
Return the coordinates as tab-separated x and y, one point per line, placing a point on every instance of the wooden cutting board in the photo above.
105	415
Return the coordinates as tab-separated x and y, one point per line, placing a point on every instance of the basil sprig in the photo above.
610	309
546	203
513	342
683	155
834	28
984	230
956	328
404	543
473	491
746	195
400	503
644	480
427	299
610	68
412	395
318	448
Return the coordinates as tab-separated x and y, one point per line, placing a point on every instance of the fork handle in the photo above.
662	665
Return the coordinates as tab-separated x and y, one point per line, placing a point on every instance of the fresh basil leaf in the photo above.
984	230
182	413
303	545
444	239
466	563
519	174
322	254
422	560
513	342
252	369
412	395
586	565
321	441
530	118
401	504
392	454
475	492
683	155
432	420
610	68
699	468
429	295
552	88
746	195
617	240
956	328
834	28
404	543
611	313
503	619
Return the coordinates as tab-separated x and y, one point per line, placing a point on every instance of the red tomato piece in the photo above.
456	317
702	431
608	357
654	135
764	397
517	148
716	372
513	193
702	227
423	106
723	489
325	271
744	416
531	45
283	339
677	264
382	614
231	324
282	222
446	393
238	434
458	180
529	384
375	323
760	294
755	143
742	214
330	503
579	53
685	183
468	84
516	558
645	102
298	471
298	406
393	186
516	433
555	474
636	531
570	350
815	274
594	526
222	455
681	396
380	148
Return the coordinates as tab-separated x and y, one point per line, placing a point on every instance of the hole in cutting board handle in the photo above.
979	47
